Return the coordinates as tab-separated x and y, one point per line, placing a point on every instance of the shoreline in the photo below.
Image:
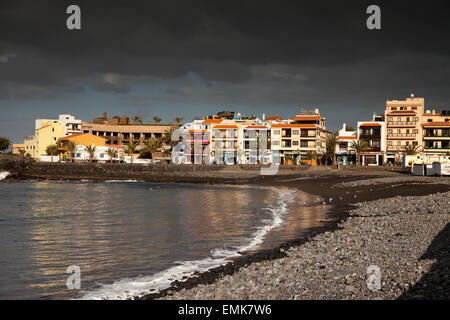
344	199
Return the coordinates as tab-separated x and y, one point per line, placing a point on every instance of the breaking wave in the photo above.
3	174
131	287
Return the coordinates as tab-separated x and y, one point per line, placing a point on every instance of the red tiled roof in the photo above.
347	137
29	136
225	126
308	117
256	127
370	125
209	121
197	131
47	125
294	125
73	135
273	118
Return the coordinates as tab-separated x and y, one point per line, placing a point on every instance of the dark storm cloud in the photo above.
282	53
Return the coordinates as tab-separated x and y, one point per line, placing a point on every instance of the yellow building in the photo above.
30	145
49	131
17	147
85	139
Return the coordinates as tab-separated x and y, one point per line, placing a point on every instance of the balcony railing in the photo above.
402	123
437	148
400	135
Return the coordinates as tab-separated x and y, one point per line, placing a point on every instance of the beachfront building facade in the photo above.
291	140
118	130
403	125
49	131
83	140
123	134
344	153
436	132
18	148
256	144
373	133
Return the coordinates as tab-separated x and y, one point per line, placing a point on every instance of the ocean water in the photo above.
131	238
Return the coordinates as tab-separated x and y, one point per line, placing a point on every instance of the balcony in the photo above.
402	123
202	141
393	136
370	136
444	148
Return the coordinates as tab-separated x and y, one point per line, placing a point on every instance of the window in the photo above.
415	143
53	129
413	108
295	132
394	108
295	143
389	118
390	131
415	131
276	132
78	155
102	155
389	143
304	144
416	119
276	143
399	131
399	143
399	119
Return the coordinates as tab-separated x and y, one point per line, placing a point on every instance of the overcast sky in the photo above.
192	58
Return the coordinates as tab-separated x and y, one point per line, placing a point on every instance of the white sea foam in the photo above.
3	174
121	180
128	288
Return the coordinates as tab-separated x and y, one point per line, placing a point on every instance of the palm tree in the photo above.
324	156
52	149
359	146
22	152
311	155
178	120
331	142
91	151
138	120
70	147
410	149
167	137
131	148
157	120
112	153
151	146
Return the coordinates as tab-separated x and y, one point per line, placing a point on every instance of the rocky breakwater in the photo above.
13	165
407	238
